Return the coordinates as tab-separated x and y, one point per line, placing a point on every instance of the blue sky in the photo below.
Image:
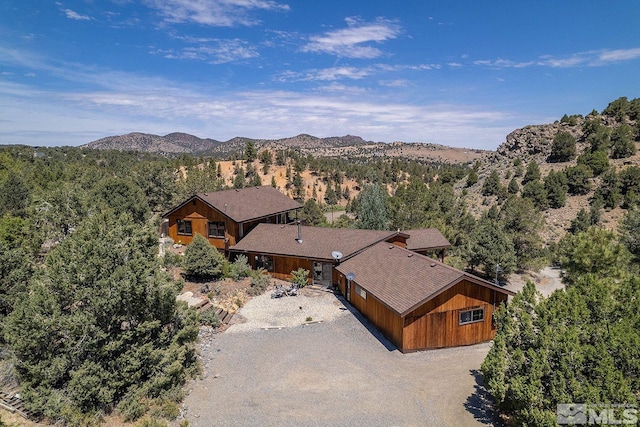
462	73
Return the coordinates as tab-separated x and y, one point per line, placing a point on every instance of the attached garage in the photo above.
417	302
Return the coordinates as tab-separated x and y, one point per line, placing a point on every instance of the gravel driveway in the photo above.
338	372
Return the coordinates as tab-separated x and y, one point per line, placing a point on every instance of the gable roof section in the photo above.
425	239
404	280
246	204
317	242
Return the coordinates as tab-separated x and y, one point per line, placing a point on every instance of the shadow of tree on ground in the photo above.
481	404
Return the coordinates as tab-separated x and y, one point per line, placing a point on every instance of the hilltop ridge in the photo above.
336	146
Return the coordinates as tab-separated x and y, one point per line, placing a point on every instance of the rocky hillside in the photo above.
534	143
173	143
344	146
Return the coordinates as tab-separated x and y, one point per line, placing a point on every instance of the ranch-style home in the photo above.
282	248
416	301
225	217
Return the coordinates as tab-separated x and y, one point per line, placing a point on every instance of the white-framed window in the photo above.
471	316
360	291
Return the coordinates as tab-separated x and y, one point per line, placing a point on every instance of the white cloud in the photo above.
74	15
594	58
352	42
394	83
126	103
619	55
504	63
217	13
214	51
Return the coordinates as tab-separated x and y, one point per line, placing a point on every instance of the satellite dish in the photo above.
336	255
351	276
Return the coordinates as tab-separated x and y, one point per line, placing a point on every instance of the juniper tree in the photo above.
101	328
202	261
532	174
578	179
623	144
563	148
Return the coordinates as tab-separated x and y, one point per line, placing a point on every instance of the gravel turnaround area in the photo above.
274	370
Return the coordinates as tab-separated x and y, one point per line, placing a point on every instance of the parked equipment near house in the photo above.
285	291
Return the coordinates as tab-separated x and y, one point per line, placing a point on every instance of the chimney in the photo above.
299	239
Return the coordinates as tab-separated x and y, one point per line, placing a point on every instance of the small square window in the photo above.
361	292
184	227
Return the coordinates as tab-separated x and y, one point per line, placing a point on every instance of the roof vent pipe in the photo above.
299	239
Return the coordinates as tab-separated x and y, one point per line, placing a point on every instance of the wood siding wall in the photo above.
436	323
388	322
283	266
200	214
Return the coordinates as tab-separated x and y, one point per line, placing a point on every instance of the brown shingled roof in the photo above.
247	204
317	242
404	280
425	239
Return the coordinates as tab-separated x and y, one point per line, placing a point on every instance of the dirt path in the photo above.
546	281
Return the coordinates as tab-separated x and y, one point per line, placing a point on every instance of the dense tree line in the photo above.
579	345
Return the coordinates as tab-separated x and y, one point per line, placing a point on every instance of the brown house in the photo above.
281	249
418	302
225	217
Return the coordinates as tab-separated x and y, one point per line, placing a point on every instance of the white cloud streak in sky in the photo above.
217	13
151	105
214	51
353	41
74	15
595	58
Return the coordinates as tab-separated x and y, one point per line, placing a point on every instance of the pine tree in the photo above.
472	178
490	245
492	185
532	174
238	180
622	142
581	222
630	231
555	184
578	179
250	152
311	213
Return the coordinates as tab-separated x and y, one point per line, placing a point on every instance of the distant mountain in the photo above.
173	143
348	145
